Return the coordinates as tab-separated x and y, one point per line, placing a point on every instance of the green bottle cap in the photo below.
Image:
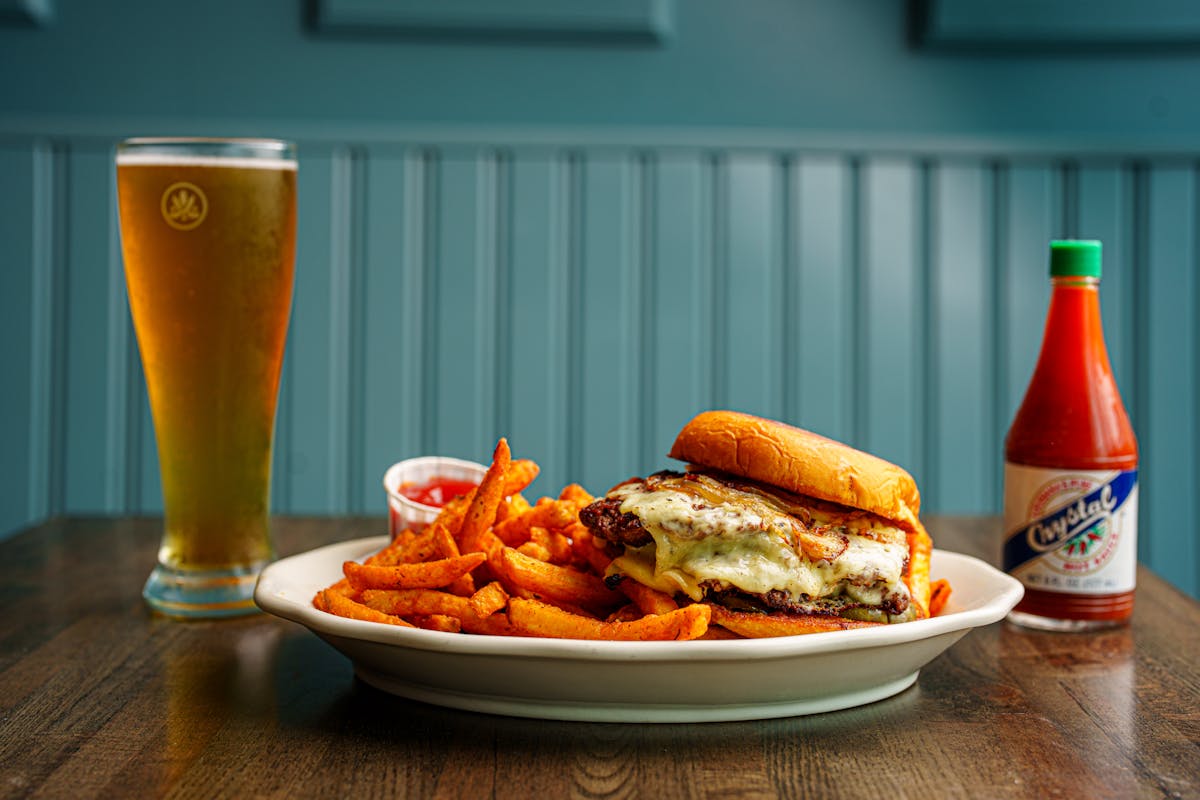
1075	258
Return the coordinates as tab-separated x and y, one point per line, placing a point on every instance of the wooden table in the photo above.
100	698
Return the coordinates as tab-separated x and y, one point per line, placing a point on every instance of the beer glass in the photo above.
208	230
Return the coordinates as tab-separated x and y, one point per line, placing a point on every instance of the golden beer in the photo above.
208	233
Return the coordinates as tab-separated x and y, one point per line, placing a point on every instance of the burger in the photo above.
774	520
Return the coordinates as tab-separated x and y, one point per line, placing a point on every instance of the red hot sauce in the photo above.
1070	473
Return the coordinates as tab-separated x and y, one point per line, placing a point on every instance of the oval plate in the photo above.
696	681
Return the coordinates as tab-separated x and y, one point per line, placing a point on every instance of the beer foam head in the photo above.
273	154
190	160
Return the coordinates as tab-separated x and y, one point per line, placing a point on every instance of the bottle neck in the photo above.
1074	280
1073	320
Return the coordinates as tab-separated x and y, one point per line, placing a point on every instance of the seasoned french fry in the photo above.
446	547
626	613
534	550
337	603
514	531
318	600
415	602
510	507
534	618
758	626
550	580
576	495
570	608
517	477
427	602
439	622
547	514
557	546
452	514
587	552
717	632
405	547
514	506
489	599
426	575
650	601
939	596
412	550
481	514
520	474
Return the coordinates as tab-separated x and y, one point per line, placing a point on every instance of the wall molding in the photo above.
399	136
639	22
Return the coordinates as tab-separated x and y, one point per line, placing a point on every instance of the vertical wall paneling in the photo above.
610	320
820	323
47	326
892	313
16	289
120	353
345	467
751	282
491	280
586	302
572	184
683	288
962	339
1105	213
391	338
1032	213
535	396
462	318
645	225
1169	354
718	311
88	306
927	466
307	440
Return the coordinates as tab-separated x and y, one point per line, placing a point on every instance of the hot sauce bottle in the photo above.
1070	471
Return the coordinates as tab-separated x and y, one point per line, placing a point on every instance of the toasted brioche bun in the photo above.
801	462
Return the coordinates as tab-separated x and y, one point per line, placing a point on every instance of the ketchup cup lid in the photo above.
1075	258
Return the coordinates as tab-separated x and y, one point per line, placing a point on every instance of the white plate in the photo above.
637	681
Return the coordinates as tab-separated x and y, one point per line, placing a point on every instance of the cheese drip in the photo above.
747	544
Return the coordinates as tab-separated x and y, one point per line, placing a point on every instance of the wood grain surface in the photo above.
99	698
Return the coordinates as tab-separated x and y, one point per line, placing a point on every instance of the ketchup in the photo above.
435	492
1070	473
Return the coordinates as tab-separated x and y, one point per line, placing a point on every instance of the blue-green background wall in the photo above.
803	209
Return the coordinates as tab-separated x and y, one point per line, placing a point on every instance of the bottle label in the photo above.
1071	531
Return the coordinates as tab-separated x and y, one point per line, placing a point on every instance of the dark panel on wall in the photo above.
611	21
1058	24
35	13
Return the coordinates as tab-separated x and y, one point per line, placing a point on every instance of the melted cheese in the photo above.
751	545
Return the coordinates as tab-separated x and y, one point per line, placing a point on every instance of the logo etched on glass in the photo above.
184	206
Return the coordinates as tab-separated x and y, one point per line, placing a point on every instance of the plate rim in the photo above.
278	578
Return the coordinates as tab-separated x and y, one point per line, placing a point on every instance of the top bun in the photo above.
799	461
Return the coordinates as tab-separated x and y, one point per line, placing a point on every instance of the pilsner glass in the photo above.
208	231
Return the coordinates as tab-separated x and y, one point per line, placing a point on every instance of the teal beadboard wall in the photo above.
584	289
